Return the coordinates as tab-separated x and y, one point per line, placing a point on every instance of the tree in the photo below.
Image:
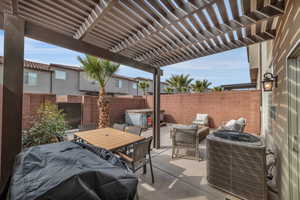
217	89
201	85
168	90
144	85
180	83
206	84
100	70
197	86
49	123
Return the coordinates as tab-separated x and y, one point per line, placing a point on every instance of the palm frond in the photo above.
98	69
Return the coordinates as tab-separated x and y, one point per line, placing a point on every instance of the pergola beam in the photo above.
49	36
11	94
96	15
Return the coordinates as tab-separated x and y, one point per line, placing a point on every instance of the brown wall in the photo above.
31	102
220	106
118	105
179	108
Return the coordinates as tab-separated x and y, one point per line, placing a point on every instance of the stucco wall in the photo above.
288	33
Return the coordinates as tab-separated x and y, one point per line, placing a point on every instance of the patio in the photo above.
149	35
177	178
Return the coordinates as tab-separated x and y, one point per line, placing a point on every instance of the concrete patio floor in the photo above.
177	178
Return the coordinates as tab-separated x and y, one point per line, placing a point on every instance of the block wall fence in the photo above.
220	106
179	108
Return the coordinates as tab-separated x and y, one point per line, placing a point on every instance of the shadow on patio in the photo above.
176	178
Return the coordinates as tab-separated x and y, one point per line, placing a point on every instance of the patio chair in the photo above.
120	127
134	130
185	137
201	120
138	157
234	125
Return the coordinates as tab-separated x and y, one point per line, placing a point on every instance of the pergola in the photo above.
144	34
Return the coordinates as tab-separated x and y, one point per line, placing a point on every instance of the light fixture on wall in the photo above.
269	82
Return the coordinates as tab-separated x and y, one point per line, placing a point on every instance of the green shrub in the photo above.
49	124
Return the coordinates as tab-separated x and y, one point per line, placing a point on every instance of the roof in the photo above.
153	32
46	67
146	79
124	77
66	67
239	86
32	65
80	70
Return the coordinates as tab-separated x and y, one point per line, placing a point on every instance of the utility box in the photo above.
141	117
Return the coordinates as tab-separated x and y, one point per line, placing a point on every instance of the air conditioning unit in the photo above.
237	164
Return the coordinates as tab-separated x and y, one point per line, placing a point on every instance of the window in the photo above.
118	83
60	75
30	78
134	85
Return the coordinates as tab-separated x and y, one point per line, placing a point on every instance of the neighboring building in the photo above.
239	86
117	85
163	85
37	77
62	80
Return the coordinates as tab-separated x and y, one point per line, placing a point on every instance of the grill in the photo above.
237	164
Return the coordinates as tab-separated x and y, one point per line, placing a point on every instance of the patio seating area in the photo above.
176	178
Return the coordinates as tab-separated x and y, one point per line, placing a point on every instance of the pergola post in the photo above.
156	108
11	95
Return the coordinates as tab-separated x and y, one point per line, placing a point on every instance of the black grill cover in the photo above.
68	171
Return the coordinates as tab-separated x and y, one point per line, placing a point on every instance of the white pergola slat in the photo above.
156	32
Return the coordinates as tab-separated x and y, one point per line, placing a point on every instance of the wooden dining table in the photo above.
108	138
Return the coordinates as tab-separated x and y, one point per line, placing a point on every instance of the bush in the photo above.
49	124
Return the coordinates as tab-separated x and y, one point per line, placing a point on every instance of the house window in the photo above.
60	75
134	85
118	83
30	78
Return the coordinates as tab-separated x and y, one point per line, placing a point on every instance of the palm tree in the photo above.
168	90
197	86
201	85
144	85
206	84
180	83
217	89
100	70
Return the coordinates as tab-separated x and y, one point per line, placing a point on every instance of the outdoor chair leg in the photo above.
173	152
145	169
152	176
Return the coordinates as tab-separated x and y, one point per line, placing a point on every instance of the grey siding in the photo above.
68	86
86	84
43	81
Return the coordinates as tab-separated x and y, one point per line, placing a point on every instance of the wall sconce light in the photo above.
269	82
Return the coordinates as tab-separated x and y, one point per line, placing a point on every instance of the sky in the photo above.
229	67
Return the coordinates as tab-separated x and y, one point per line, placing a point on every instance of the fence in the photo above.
220	106
179	108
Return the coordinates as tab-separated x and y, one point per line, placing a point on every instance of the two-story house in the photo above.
70	80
